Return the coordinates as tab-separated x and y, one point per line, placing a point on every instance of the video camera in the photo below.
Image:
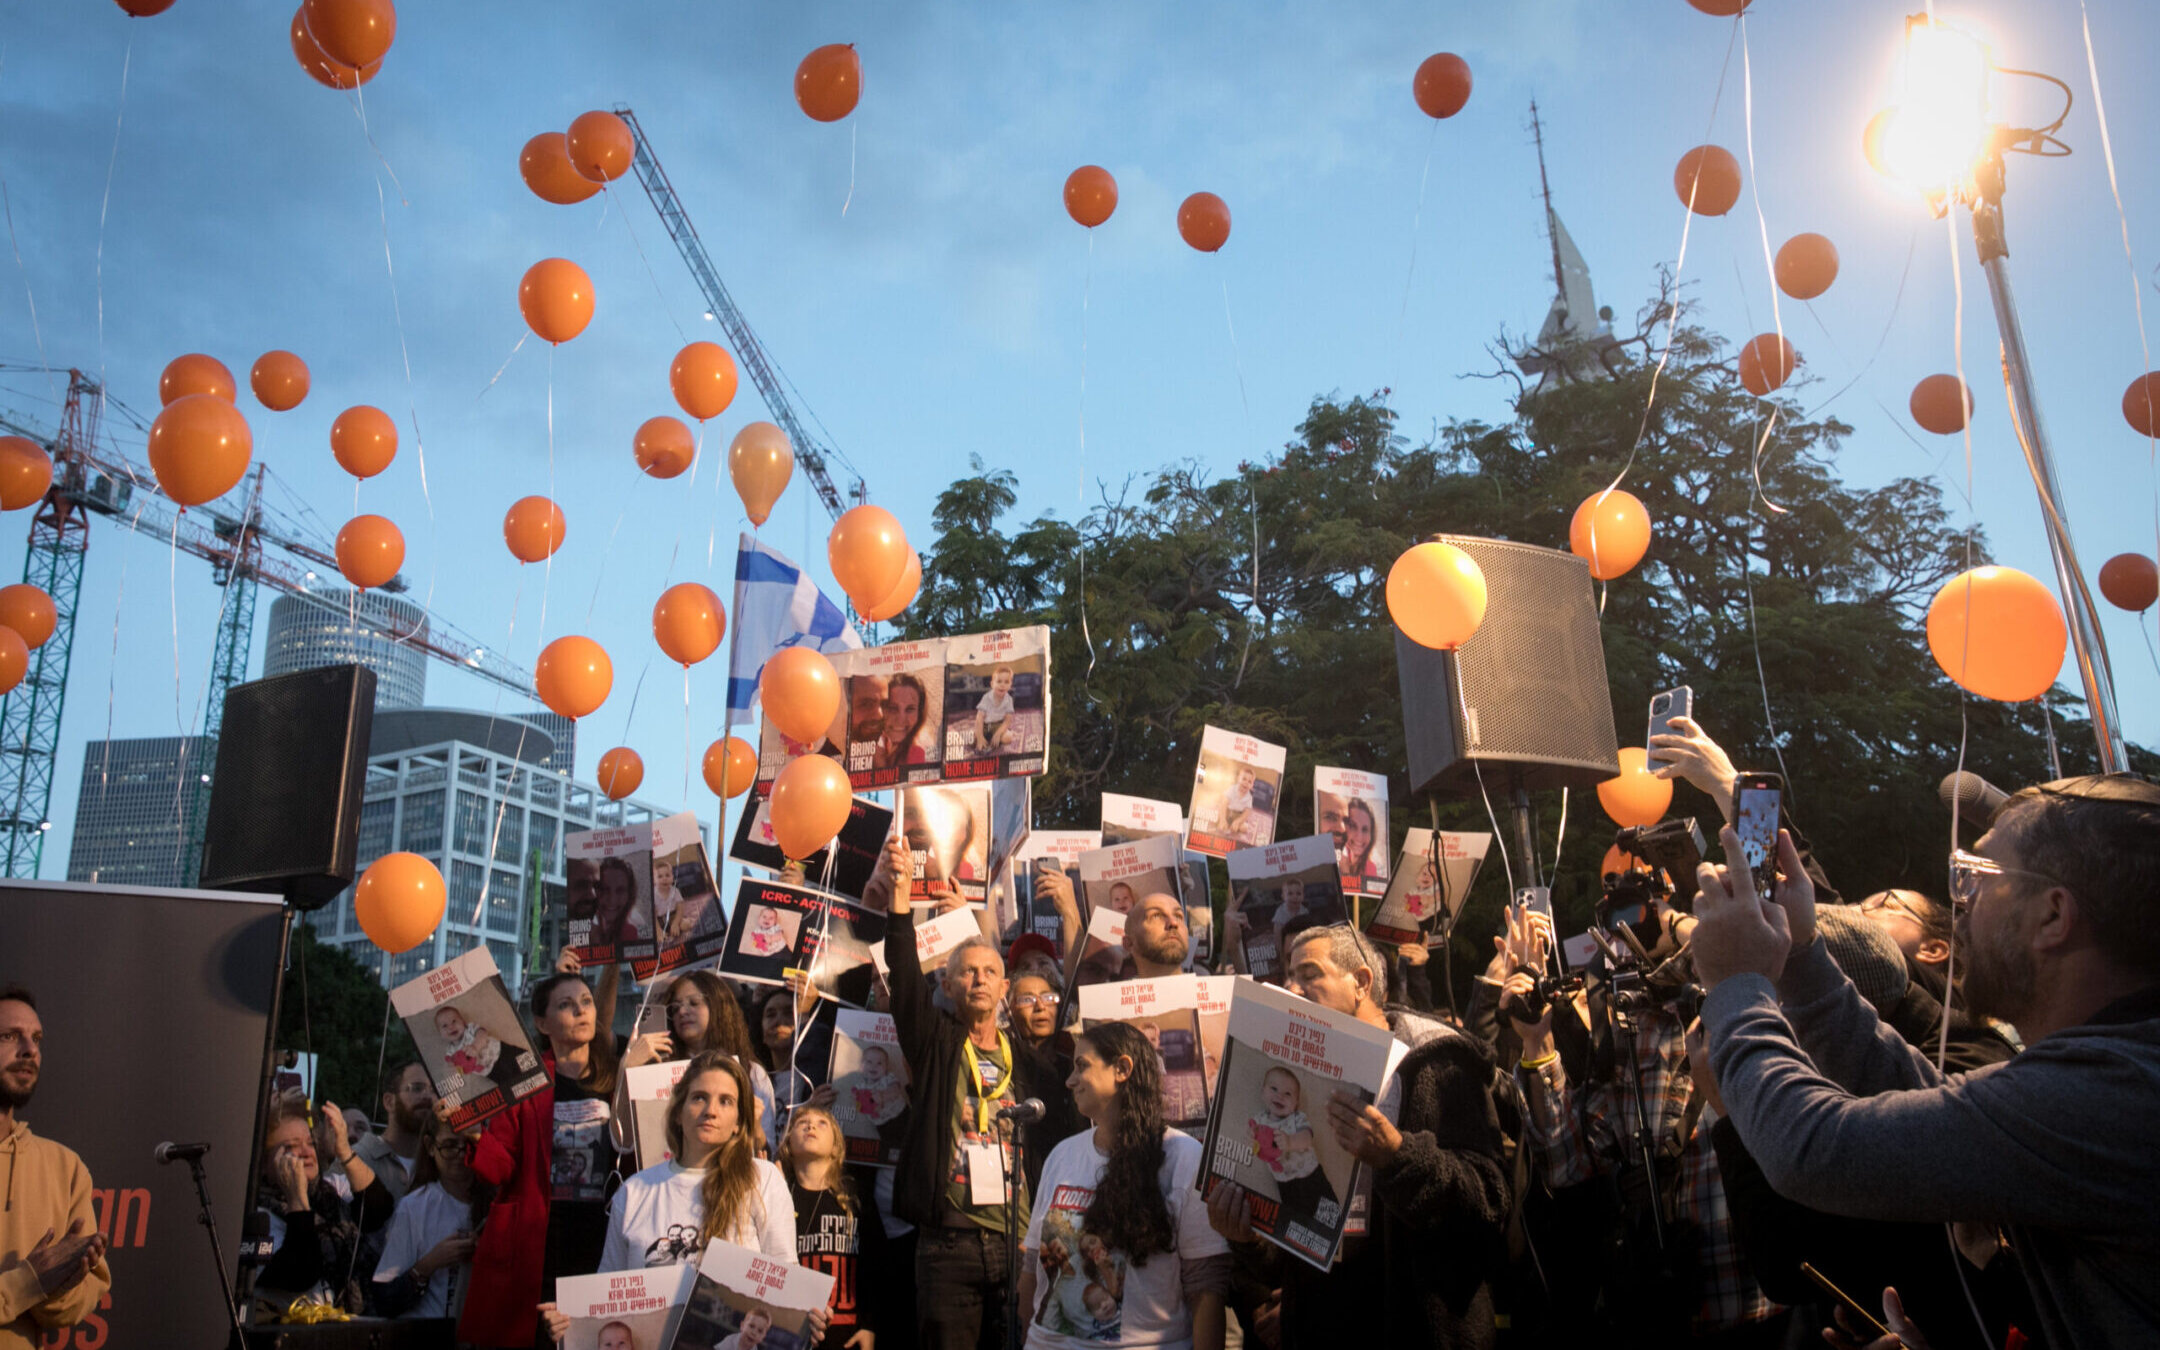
1673	849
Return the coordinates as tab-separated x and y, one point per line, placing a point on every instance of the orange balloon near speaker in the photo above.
1636	797
1436	595
399	901
370	550
1611	531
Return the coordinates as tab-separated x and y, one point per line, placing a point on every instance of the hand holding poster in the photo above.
948	838
624	1310
470	1039
1352	809
686	902
1429	885
1236	794
870	1084
746	1300
1049	852
1166	1010
609	894
854	854
1276	888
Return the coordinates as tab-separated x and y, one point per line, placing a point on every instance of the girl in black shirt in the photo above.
834	1230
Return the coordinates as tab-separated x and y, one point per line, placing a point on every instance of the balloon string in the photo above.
1087	291
105	206
1762	681
697	453
665	308
504	366
1237	362
547	572
600	571
172	592
685	733
850	172
112	670
1417	220
360	111
1762	225
397	312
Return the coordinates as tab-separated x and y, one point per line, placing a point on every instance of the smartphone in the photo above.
1757	799
1678	701
1867	1319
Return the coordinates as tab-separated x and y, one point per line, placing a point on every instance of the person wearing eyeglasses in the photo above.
2056	933
1033	1005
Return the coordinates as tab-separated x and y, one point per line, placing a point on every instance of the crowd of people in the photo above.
1907	1120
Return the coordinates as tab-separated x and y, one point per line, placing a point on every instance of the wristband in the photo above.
1533	1065
347	1159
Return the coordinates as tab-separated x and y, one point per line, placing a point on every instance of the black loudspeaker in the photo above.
1524	701
285	801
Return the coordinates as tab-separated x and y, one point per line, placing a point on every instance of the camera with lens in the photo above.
1673	849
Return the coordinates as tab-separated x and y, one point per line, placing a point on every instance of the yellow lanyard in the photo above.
982	1092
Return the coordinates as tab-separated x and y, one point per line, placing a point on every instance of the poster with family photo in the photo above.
997	702
626	1309
1166	1010
1268	1132
1273	889
470	1039
687	914
648	1088
902	742
1117	875
1429	886
1236	793
1127	820
608	894
1056	851
870	1086
746	1300
854	853
1351	807
948	838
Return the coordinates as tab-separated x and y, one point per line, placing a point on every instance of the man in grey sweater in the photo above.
2052	1146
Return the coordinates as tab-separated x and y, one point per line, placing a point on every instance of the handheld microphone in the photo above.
169	1152
1974	798
1023	1113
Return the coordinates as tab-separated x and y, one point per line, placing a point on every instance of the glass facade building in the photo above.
130	809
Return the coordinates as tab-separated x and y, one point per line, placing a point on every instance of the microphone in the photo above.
1974	798
169	1152
1023	1113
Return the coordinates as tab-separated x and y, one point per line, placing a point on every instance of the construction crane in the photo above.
88	479
810	454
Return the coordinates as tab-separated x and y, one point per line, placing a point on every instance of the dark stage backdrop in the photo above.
155	1005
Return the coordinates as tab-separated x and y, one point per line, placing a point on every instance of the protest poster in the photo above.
1275	888
1100	955
1049	851
948	838
1117	875
470	1039
1214	993
1166	1010
746	1300
934	940
772	932
870	1085
625	1309
1352	809
1199	893
840	964
1236	793
1127	820
997	702
1284	1059
686	902
608	893
1431	880
1012	818
648	1089
854	854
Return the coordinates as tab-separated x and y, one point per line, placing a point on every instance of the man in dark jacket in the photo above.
950	1180
1434	1224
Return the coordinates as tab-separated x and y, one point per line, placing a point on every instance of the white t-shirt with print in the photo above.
1099	1297
423	1218
654	1219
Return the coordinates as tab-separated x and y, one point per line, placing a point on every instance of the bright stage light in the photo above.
1937	128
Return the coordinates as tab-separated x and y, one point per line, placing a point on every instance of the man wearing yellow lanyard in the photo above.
950	1181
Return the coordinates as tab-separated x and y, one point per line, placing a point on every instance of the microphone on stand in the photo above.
1023	1113
169	1152
1974	798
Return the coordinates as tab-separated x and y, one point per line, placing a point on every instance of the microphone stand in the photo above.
1015	1329
217	1249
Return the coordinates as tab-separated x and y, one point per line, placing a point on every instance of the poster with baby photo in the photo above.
854	854
997	703
1049	851
1431	879
1283	1061
746	1300
1117	875
1351	808
901	742
608	894
948	837
1236	794
870	1086
1127	820
471	1040
1273	889
624	1310
771	931
687	914
648	1088
1166	1010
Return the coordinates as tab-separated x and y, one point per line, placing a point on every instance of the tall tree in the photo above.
334	1006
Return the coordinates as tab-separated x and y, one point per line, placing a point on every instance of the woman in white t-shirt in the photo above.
427	1254
1119	1250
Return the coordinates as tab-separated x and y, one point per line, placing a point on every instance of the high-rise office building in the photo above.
309	632
130	812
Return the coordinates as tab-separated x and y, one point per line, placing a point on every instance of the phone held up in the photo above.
1757	799
1678	701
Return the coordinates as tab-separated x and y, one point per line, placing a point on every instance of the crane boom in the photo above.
809	453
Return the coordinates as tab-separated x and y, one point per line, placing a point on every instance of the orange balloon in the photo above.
902	595
688	622
1611	531
1203	221
811	800
2129	581
25	472
1708	180
1442	85
1806	265
14	659
1090	195
545	165
199	447
600	146
664	446
30	612
143	9
1436	595
533	528
1942	404
730	766
801	693
1723	9
399	900
621	771
325	69
351	32
703	378
556	298
2141	404
280	380
1619	863
370	550
573	676
760	461
1636	797
828	83
363	440
196	374
1765	363
868	551
1998	633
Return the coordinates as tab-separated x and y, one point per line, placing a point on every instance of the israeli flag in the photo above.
776	605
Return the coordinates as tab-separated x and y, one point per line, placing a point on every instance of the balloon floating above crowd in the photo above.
1941	404
1610	531
280	380
730	767
1998	633
828	83
2130	581
622	771
399	901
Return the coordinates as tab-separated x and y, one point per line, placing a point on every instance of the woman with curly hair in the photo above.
1119	1248
703	1014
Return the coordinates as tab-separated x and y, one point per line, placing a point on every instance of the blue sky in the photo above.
940	316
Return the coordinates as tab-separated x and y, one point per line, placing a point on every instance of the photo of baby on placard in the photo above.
769	933
1279	1116
473	1051
870	1086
